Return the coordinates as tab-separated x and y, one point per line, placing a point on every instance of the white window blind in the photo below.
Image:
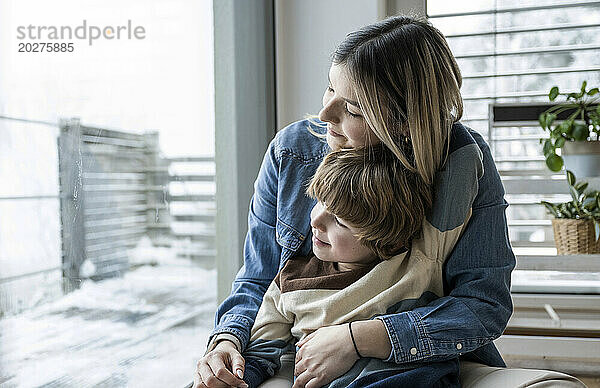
511	53
514	52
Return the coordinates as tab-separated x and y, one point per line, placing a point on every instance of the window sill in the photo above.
553	331
580	356
538	272
546	259
555	315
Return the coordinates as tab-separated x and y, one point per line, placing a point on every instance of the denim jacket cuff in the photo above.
236	325
408	337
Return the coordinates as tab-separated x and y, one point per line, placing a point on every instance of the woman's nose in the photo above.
329	112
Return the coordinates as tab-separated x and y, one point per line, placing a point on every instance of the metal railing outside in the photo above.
115	187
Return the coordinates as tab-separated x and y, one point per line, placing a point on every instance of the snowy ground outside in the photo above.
145	329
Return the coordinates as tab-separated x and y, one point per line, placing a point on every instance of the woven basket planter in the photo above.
575	237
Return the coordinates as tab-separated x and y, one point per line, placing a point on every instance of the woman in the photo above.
395	82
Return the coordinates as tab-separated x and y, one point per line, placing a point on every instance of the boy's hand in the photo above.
214	370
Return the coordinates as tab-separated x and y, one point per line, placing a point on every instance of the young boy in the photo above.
373	254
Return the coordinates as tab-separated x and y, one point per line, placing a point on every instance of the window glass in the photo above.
107	202
514	52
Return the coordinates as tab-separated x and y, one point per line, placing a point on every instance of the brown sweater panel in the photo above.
310	273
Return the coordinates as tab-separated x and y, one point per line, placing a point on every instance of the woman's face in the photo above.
333	239
346	126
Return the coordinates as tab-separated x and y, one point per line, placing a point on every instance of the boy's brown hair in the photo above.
372	190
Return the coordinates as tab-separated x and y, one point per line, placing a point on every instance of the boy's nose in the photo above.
317	224
318	218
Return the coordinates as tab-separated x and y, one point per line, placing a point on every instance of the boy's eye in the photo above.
337	221
329	88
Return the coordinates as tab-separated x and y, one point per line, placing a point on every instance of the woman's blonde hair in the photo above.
372	190
407	84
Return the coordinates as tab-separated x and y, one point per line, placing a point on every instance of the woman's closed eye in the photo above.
350	113
330	90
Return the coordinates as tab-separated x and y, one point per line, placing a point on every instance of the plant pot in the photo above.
582	157
575	237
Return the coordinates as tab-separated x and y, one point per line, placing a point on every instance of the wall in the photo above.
306	33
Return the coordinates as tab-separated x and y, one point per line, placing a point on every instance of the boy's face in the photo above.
333	239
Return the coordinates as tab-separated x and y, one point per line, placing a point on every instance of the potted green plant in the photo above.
574	127
576	223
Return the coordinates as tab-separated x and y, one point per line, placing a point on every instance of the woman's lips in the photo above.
318	242
333	133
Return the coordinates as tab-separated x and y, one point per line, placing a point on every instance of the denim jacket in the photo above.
476	304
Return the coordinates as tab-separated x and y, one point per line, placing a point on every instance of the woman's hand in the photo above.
214	370
324	355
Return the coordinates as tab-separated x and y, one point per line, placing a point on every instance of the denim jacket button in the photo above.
413	351
459	346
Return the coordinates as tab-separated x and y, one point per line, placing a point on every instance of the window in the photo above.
514	52
107	198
